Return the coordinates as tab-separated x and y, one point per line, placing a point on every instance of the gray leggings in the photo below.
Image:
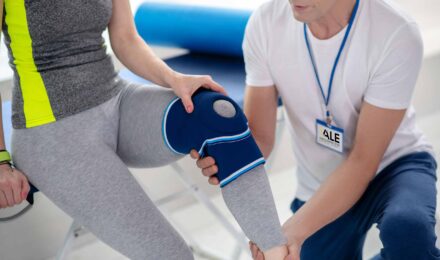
80	163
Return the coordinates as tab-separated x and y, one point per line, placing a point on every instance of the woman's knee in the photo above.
217	127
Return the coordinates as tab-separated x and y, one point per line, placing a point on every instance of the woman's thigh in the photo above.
140	139
73	162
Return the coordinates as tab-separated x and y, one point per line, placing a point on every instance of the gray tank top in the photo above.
59	58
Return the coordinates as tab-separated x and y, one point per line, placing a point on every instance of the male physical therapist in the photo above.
346	71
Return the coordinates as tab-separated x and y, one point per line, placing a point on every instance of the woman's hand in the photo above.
208	167
14	186
185	85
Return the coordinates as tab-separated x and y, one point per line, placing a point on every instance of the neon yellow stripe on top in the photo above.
36	105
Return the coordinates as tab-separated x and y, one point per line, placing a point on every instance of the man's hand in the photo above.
277	253
208	166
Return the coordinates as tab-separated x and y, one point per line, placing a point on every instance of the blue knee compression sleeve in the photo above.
224	136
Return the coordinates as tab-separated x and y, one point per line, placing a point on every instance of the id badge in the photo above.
329	136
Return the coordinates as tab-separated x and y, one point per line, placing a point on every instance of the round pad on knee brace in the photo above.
217	127
224	108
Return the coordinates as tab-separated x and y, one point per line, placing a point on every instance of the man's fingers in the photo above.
254	250
290	257
210	171
194	154
205	162
213	180
250	249
260	255
187	103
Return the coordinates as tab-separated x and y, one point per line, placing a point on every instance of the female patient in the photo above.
78	126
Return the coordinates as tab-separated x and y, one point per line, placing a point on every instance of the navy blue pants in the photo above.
401	199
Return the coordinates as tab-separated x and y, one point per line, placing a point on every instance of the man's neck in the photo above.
333	21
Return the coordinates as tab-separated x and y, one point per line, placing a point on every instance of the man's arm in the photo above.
344	187
260	107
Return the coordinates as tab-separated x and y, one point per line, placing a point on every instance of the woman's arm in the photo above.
138	57
131	50
14	186
344	187
1	19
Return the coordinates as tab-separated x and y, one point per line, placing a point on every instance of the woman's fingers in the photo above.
25	187
187	103
16	189
211	84
3	201
9	196
13	187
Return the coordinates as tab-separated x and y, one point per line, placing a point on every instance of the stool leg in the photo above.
68	240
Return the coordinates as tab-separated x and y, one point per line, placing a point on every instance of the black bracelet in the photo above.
6	162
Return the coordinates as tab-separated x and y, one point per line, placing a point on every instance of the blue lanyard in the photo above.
335	65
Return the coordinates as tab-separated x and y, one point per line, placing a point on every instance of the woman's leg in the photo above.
141	144
74	163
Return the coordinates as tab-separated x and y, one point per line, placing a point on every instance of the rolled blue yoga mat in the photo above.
199	29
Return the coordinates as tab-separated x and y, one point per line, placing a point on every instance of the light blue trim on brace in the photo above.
224	138
241	171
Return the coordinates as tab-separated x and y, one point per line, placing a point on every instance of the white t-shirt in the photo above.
379	64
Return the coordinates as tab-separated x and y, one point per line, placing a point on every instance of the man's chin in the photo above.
299	17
